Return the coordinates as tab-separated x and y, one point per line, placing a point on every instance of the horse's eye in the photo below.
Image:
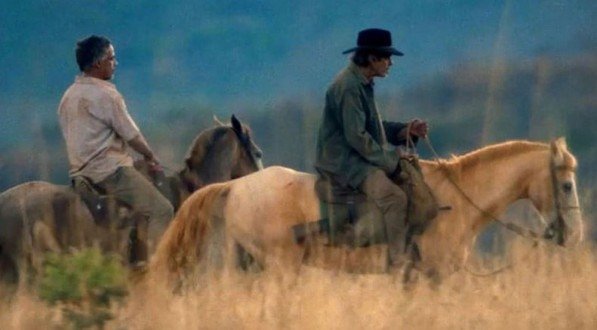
258	153
567	187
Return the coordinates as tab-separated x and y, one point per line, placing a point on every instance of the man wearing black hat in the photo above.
353	150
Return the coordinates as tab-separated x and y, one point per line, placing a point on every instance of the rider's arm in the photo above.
396	132
141	146
123	124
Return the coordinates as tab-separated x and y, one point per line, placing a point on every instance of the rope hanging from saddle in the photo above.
422	206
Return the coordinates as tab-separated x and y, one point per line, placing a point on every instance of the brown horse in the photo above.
218	154
39	217
257	212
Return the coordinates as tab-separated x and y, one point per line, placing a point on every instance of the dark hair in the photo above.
361	56
91	50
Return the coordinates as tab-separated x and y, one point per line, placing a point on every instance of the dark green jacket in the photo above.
352	139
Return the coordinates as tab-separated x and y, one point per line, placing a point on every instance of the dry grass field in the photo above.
542	287
535	286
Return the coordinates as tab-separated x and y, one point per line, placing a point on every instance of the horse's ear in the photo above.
217	121
236	125
559	143
558	146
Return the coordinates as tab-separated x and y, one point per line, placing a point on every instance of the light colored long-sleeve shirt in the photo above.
96	125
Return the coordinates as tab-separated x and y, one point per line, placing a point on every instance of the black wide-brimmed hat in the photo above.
375	39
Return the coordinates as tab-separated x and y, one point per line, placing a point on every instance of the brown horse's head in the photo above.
249	156
220	154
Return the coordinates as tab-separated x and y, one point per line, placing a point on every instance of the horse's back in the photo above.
18	201
275	192
32	198
276	186
30	203
31	189
276	176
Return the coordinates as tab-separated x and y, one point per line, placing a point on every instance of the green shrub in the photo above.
84	283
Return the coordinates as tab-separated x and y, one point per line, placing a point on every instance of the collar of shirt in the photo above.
354	69
84	79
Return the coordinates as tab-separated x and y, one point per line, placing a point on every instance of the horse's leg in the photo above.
42	242
422	266
137	243
269	257
9	277
230	256
218	249
282	268
43	239
23	270
246	261
247	256
285	259
242	255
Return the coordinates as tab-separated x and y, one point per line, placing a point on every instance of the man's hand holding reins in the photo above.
418	128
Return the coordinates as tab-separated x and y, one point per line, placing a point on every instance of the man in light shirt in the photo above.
99	132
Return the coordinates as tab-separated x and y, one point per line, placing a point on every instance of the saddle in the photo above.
348	217
103	209
422	204
97	202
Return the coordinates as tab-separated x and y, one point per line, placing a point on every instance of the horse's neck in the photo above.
183	184
477	190
179	190
493	184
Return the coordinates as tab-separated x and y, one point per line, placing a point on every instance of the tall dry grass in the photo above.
542	287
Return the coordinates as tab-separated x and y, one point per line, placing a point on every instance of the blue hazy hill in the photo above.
234	53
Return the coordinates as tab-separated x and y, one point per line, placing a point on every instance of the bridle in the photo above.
555	230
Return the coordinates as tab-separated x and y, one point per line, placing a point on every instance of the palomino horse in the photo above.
38	217
257	212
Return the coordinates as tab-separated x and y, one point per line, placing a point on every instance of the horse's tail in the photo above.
183	244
